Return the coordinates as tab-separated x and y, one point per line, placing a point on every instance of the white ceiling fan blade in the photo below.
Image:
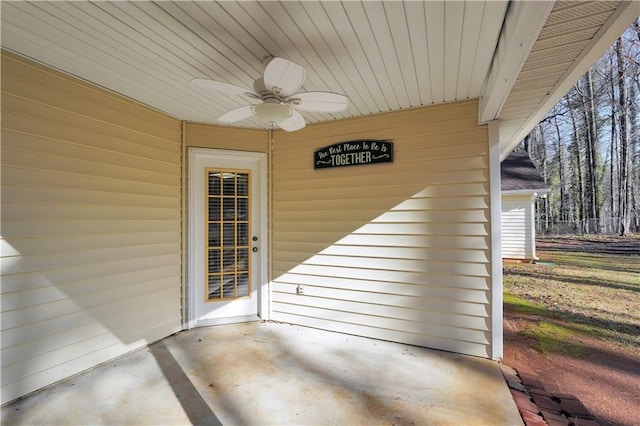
283	77
293	123
319	101
221	86
237	114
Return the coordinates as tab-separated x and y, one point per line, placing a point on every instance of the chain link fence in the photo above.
603	225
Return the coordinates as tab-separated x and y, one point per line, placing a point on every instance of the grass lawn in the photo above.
594	294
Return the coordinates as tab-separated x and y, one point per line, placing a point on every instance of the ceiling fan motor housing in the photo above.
264	93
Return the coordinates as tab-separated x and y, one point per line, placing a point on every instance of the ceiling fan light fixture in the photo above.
271	113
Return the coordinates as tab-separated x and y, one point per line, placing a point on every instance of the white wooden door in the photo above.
227	236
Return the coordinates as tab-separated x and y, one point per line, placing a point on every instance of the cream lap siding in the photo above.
517	227
394	251
91	254
224	137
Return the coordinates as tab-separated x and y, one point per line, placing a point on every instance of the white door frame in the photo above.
260	265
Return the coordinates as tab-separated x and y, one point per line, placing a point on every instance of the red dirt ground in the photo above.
606	380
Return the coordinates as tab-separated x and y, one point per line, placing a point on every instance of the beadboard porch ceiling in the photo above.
518	58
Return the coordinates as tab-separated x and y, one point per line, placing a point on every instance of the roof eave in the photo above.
525	191
620	20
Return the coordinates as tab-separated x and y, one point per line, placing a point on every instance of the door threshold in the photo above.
224	321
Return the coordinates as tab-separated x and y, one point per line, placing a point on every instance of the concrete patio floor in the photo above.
269	373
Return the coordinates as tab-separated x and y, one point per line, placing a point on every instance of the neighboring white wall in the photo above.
91	256
518	239
397	251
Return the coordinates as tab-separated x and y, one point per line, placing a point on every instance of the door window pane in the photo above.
214	286
214	208
242	259
243	184
229	184
214	183
229	260
228	208
214	235
243	234
214	261
228	286
228	239
243	209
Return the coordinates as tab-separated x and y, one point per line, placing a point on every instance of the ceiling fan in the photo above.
276	97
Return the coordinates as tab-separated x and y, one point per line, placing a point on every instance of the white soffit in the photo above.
575	35
384	56
523	23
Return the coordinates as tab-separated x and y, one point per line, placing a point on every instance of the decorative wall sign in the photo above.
353	153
